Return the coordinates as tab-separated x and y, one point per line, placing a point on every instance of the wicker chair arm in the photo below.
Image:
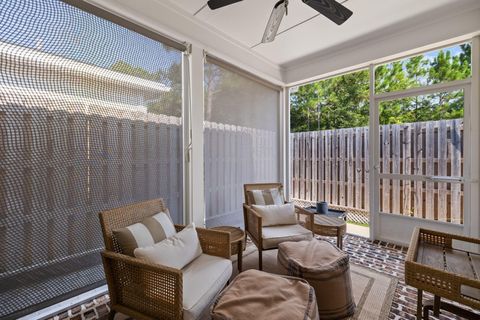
309	216
253	224
150	289
214	243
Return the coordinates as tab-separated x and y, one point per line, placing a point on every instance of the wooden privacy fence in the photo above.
63	159
333	166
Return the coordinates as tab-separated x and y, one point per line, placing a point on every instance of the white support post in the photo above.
373	149
285	141
197	198
186	110
475	147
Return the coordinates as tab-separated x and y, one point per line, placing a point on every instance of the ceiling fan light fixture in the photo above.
279	10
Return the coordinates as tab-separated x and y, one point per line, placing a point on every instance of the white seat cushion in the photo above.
203	279
272	236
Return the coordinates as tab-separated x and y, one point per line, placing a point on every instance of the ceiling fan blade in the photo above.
330	9
279	10
215	4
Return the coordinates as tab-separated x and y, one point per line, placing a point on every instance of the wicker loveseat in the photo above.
266	238
151	291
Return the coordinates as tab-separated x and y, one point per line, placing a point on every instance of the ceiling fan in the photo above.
329	8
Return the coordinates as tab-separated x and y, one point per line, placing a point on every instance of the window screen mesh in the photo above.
241	141
90	119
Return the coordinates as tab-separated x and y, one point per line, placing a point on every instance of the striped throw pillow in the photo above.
150	231
266	196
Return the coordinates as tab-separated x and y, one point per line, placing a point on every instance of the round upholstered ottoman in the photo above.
256	294
327	270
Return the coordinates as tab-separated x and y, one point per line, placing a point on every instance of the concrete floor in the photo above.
358	230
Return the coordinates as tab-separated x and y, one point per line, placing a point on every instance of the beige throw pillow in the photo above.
175	252
150	231
274	215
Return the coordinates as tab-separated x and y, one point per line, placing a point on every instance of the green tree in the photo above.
126	68
167	103
342	101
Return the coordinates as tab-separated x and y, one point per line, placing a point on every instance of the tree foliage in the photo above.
167	103
126	68
339	102
343	101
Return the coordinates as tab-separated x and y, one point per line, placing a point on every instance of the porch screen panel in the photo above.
241	140
90	119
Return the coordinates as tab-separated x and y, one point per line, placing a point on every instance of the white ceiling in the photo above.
244	23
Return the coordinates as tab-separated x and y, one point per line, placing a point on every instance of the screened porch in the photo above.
106	104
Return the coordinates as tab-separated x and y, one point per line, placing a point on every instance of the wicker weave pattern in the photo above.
140	289
215	243
253	224
306	217
438	282
149	289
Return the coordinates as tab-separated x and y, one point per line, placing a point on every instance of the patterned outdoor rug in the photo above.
373	291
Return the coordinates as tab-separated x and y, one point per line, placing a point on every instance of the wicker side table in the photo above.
439	263
331	224
237	241
330	227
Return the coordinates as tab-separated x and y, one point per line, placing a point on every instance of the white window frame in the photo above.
471	87
383	226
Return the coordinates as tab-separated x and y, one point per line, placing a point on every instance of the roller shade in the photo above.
241	134
90	119
133	26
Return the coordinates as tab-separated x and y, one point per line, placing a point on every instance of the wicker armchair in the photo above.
261	236
142	290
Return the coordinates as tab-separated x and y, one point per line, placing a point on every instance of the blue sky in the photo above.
455	50
55	27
